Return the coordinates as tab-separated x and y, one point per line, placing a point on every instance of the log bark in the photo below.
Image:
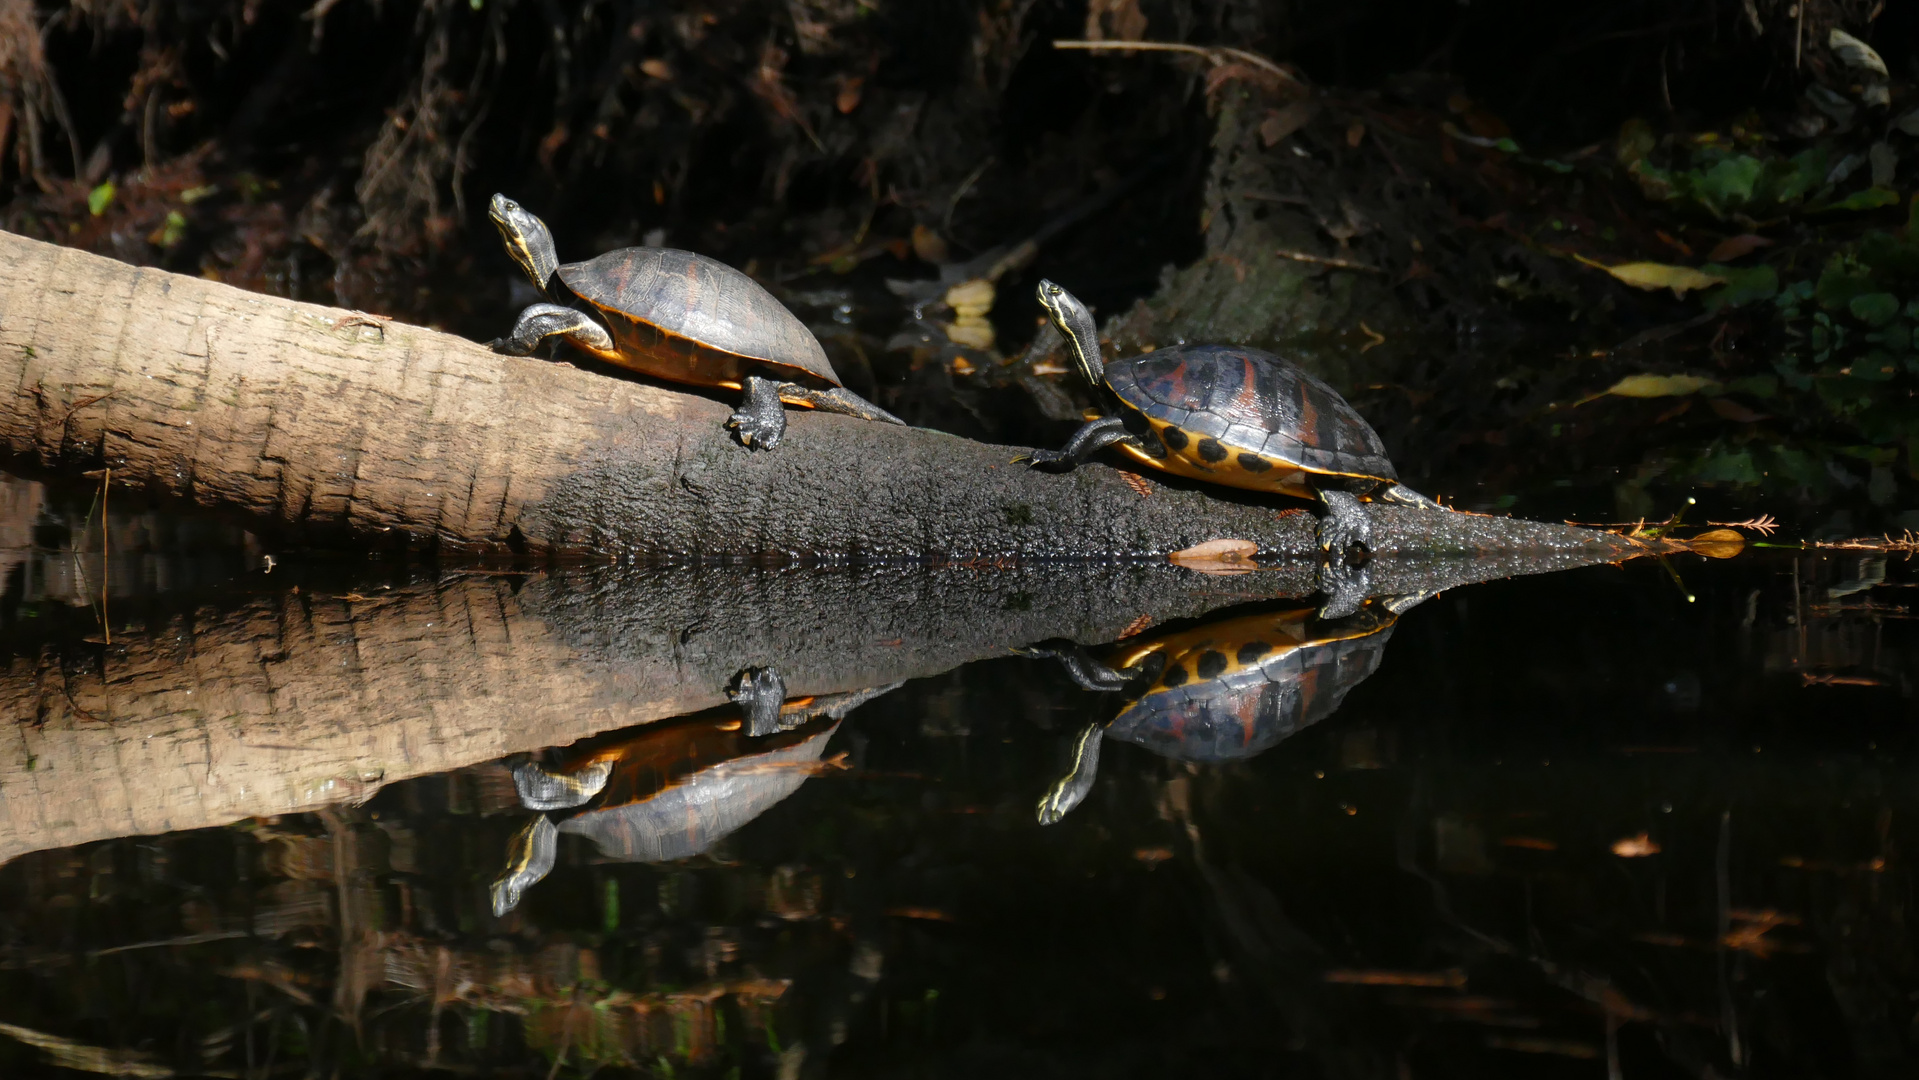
337	425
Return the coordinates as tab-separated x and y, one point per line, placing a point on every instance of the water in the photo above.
1573	825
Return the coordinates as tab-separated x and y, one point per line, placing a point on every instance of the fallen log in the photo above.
336	425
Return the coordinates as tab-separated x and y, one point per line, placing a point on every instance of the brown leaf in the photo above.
1717	544
1732	247
1218	557
929	245
1729	409
1636	847
1355	134
849	95
1282	122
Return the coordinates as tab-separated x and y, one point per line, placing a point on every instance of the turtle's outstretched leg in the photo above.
759	692
541	321
1072	788
529	857
761	419
1405	496
1080	666
1345	542
1090	439
837	399
543	790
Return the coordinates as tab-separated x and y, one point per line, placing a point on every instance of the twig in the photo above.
1764	525
1907	544
106	569
1214	54
1342	264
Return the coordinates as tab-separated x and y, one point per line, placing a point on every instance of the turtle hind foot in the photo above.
760	422
1405	496
1048	460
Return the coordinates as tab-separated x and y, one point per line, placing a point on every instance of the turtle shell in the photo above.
1245	418
677	791
1232	689
682	316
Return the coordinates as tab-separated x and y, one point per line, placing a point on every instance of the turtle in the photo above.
1222	691
1230	415
676	315
669	791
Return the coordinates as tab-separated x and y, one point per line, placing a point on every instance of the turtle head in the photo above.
527	241
1075	322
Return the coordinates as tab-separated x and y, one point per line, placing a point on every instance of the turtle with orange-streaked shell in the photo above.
1229	415
676	315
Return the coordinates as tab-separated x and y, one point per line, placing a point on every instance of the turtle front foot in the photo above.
759	692
761	420
1345	525
1086	672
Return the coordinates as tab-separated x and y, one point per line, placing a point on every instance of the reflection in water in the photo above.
671	791
1571	826
1224	690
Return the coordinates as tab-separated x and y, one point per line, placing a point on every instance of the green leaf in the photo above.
171	233
1727	185
1870	199
100	198
1744	285
1874	309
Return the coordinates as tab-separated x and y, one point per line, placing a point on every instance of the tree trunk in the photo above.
338	425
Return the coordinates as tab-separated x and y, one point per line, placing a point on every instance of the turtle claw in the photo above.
1345	587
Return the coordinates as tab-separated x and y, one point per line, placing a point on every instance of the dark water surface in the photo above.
1569	825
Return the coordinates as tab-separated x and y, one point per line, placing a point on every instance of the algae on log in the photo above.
258	705
345	425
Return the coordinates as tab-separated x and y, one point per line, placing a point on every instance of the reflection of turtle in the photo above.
676	315
1221	691
671	790
1236	416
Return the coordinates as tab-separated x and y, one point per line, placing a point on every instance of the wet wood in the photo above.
331	424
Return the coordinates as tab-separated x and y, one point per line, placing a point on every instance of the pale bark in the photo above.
330	424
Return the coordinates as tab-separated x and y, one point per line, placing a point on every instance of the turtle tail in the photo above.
836	399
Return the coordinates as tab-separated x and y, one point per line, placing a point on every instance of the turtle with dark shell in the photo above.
1222	691
680	316
1230	415
669	791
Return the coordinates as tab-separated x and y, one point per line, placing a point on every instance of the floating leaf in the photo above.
1651	275
1636	847
1874	309
1717	544
1733	247
1854	52
100	198
1218	557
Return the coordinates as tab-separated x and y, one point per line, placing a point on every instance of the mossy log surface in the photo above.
334	425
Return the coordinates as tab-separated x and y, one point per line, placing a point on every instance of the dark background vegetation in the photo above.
343	152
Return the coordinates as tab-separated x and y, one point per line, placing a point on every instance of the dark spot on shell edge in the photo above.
1211	663
1211	451
1254	463
1174	438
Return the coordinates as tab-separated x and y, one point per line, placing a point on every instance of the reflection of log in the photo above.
334	422
295	700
